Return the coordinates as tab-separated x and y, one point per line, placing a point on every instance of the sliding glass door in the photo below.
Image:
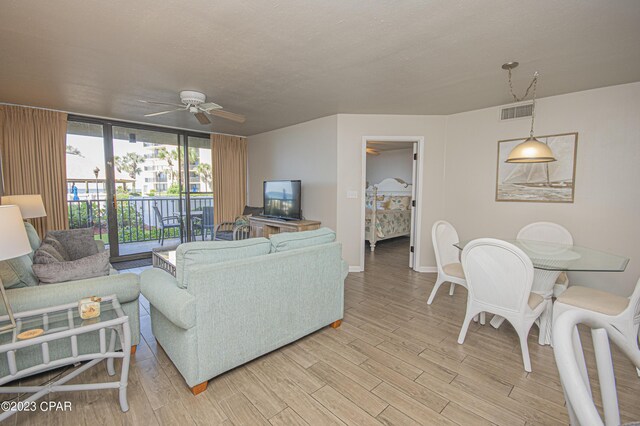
138	195
199	191
86	179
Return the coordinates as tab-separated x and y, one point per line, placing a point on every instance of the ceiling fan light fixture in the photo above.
531	151
194	102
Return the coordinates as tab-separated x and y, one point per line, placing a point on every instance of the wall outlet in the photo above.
352	194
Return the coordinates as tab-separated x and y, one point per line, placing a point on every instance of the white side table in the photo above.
61	323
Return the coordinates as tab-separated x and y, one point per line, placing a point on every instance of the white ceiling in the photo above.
285	62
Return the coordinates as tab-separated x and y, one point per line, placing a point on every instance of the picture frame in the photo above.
552	182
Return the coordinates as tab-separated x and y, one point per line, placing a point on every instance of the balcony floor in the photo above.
147	246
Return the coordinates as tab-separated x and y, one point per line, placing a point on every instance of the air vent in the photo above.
518	111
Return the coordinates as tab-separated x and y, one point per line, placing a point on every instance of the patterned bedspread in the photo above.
389	223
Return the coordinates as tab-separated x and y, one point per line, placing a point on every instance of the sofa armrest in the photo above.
162	291
345	270
125	286
100	245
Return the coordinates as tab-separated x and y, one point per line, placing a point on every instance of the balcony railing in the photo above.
136	217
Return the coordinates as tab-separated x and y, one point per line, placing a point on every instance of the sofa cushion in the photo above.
78	243
193	254
34	239
16	273
96	265
295	240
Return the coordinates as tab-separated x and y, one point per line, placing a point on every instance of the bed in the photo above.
387	210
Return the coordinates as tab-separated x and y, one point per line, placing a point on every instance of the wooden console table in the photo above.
264	226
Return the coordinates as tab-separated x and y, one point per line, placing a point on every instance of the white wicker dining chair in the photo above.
551	233
567	350
443	237
499	278
623	313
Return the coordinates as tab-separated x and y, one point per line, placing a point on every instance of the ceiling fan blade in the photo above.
202	118
160	103
209	106
228	115
153	114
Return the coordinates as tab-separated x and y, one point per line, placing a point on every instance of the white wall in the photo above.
397	163
306	151
327	155
351	129
605	214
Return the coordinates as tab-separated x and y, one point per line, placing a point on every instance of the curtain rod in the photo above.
123	121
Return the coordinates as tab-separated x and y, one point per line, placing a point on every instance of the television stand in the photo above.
266	226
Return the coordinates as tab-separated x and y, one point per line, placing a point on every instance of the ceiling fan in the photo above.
194	102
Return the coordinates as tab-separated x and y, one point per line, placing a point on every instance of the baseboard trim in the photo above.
429	269
355	269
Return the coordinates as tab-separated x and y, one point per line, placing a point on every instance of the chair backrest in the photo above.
443	237
156	210
498	273
547	232
207	216
254	211
567	351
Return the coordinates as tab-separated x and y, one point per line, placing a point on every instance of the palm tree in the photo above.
204	170
170	157
130	164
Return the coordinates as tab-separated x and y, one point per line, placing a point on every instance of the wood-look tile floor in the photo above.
394	360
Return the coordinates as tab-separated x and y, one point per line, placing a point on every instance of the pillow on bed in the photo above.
399	203
382	205
382	202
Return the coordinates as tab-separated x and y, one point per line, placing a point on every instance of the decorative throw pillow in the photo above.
242	220
47	253
96	265
78	243
399	203
382	204
57	245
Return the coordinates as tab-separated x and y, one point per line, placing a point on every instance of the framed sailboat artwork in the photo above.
552	182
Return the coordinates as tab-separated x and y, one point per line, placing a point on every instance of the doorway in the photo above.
138	187
391	205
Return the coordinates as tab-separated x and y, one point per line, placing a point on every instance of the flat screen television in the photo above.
282	199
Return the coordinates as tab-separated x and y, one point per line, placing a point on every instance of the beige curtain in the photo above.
32	150
229	160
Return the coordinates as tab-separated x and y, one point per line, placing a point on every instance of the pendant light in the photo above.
531	150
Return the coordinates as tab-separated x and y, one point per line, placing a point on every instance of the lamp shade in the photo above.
531	151
14	241
31	206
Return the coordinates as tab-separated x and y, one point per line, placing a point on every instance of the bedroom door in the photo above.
412	235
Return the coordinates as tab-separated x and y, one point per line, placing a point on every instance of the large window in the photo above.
130	184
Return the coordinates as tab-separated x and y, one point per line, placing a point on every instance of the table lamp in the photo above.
31	205
14	243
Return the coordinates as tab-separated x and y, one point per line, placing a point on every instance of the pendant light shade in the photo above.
531	151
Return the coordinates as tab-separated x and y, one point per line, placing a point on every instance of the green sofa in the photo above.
25	294
233	301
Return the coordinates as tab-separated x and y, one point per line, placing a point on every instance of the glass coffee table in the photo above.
47	338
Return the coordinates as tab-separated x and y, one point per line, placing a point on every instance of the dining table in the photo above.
549	261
